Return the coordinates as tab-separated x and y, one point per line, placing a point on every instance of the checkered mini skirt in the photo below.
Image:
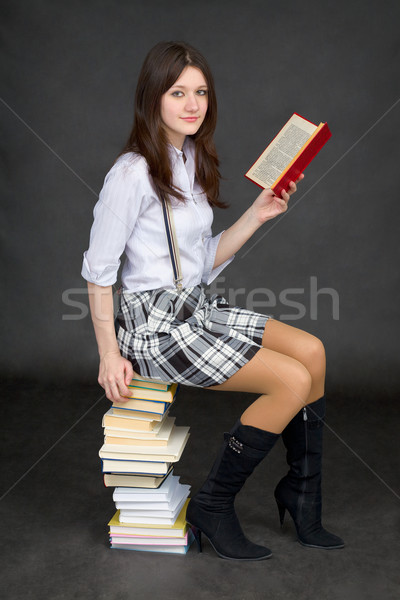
186	337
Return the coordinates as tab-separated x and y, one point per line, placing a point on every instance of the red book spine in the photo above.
304	159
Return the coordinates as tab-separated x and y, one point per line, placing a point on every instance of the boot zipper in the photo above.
305	473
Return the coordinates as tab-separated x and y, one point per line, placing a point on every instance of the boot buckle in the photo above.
235	444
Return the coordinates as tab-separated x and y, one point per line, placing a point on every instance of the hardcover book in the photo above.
134	481
116	440
164	517
289	153
168	453
129	420
135	414
161	494
148	541
150	384
151	508
159	437
177	529
135	467
171	545
161	431
170	549
146	406
151	394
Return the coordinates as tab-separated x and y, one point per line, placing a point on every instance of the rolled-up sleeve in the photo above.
211	245
115	215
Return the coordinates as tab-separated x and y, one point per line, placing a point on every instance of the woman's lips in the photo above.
189	119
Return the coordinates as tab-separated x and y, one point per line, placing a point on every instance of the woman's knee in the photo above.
291	381
303	346
299	383
269	372
315	359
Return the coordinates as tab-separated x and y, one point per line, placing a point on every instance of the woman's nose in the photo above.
191	103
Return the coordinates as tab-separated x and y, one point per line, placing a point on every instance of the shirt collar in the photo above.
187	148
184	176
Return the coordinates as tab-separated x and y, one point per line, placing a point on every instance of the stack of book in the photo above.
152	520
141	445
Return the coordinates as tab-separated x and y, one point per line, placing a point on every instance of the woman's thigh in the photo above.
298	344
270	372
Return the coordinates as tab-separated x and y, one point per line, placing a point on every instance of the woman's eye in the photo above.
179	94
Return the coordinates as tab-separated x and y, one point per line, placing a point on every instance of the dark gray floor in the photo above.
53	521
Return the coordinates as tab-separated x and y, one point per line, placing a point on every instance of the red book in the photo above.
289	153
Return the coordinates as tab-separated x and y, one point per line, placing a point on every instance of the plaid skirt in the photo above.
186	337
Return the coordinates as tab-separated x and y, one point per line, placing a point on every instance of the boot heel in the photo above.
281	510
197	536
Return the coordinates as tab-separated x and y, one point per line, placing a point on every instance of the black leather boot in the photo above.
211	511
300	490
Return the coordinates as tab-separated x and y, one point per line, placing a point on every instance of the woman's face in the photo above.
184	106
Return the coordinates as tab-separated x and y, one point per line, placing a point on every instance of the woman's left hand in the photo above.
268	206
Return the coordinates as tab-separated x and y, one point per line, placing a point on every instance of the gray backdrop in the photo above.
69	73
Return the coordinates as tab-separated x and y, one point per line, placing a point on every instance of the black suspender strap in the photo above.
172	243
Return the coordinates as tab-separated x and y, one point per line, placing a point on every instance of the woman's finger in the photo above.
285	196
128	372
115	393
122	387
107	392
128	377
282	203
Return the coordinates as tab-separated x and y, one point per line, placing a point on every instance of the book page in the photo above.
281	151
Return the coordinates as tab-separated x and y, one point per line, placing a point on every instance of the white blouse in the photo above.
128	217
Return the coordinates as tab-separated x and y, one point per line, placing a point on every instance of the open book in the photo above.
289	153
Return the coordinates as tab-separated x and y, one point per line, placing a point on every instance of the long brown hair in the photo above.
161	68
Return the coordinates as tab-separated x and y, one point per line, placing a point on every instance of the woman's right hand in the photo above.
115	373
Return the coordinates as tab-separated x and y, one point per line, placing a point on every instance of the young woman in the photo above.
181	335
